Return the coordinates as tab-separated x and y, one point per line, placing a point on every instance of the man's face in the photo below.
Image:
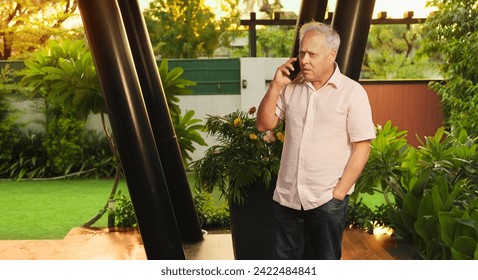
316	58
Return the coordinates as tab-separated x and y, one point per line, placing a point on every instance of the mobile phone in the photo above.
295	72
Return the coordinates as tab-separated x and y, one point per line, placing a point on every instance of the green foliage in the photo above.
8	127
29	158
174	85
393	53
9	137
33	156
210	216
275	41
64	144
125	216
98	162
64	74
187	130
26	25
360	215
188	29
452	40
387	153
434	190
242	156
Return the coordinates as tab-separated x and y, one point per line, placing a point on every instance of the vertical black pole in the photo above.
252	36
129	121
309	10
159	117
352	20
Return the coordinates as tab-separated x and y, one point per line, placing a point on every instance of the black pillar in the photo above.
309	10
352	20
252	36
161	124
130	124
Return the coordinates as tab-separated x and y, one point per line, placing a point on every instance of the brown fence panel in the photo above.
410	105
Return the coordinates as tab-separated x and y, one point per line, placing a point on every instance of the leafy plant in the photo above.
174	85
10	129
125	216
187	130
434	190
64	142
387	153
362	216
210	216
452	42
242	156
29	159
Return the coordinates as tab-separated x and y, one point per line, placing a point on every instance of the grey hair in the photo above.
332	37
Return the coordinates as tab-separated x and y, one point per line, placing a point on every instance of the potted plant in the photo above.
243	165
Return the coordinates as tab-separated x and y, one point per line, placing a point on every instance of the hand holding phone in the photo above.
295	72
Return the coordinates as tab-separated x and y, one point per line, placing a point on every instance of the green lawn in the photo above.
50	209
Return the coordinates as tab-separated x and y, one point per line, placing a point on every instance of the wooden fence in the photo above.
410	105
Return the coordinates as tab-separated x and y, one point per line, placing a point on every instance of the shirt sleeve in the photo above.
280	106
359	121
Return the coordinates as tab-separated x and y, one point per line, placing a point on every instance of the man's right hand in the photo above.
281	77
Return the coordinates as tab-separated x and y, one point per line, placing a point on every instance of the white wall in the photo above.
255	72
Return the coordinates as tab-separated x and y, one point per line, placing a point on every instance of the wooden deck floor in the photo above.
103	244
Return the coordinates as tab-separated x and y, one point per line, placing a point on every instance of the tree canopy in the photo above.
188	28
452	40
26	25
393	52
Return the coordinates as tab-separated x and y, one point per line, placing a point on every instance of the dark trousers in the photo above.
317	232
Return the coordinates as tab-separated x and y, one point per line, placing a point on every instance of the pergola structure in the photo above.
140	120
253	22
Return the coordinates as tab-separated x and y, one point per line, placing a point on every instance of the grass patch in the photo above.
31	210
50	209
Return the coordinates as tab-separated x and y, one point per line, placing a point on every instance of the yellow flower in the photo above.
280	136
252	136
237	122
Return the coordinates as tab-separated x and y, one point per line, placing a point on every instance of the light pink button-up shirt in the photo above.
320	128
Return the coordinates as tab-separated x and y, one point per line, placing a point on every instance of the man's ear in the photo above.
333	55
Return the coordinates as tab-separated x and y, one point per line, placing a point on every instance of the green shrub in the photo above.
124	213
29	157
98	161
210	216
9	138
8	128
452	42
434	188
64	142
360	215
